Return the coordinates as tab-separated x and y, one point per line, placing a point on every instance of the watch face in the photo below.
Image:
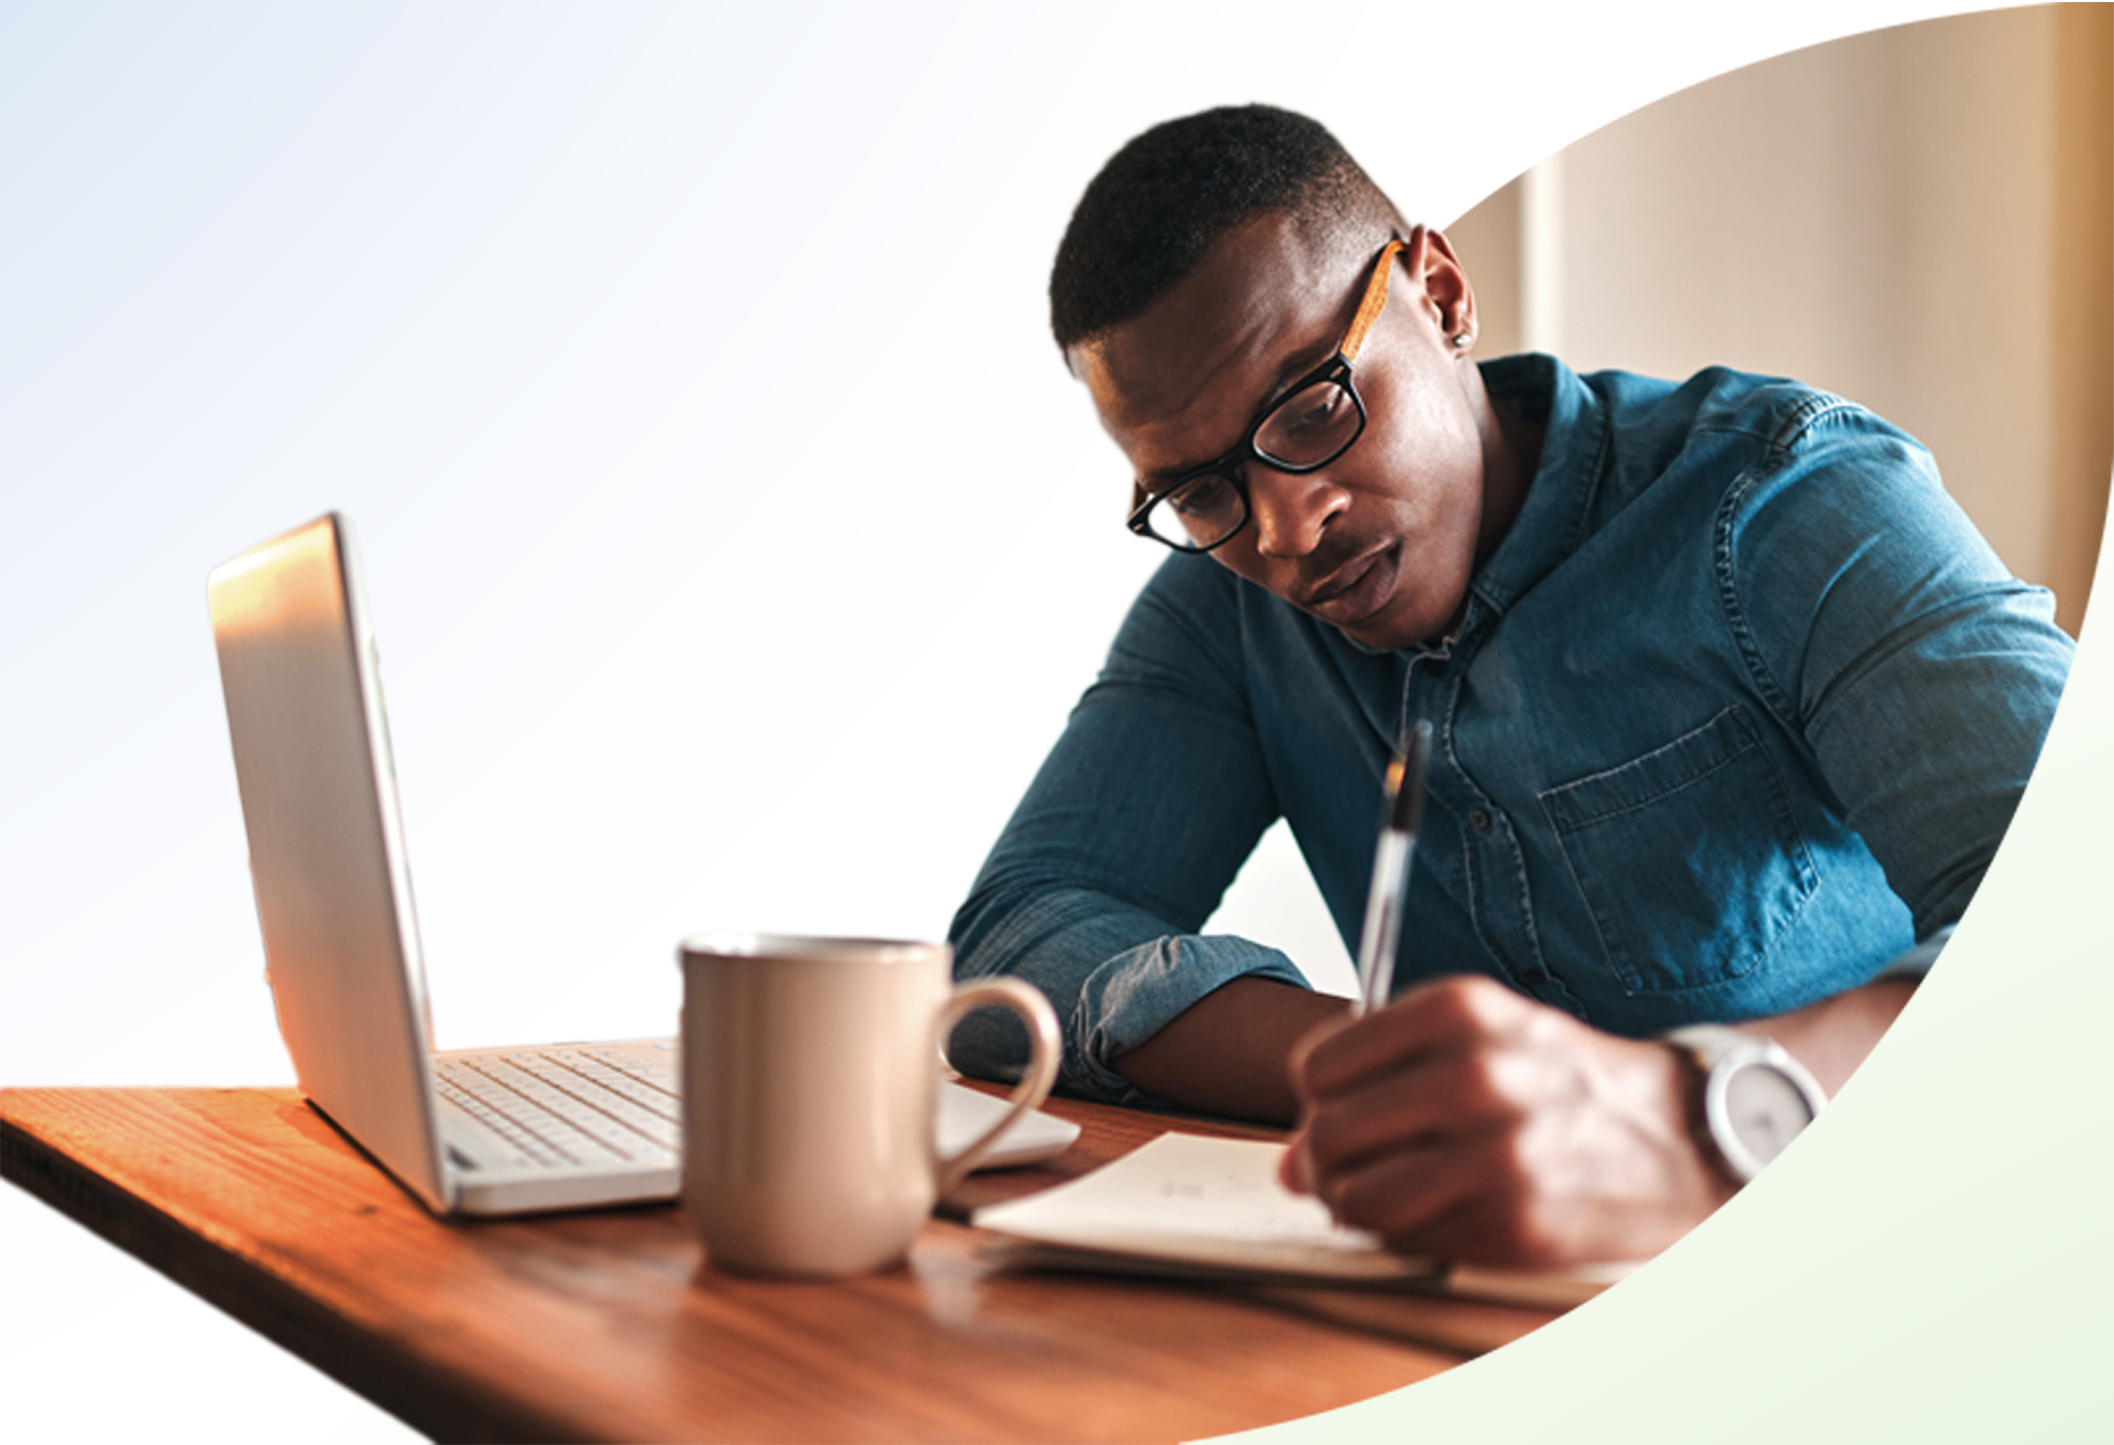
1766	1110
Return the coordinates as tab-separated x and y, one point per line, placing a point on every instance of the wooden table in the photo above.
606	1325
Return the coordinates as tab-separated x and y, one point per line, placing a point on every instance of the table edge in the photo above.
432	1401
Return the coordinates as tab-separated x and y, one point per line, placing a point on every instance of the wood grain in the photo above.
608	1325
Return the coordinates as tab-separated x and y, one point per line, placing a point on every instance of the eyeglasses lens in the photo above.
1200	513
1311	426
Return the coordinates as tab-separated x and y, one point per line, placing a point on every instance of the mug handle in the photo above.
1045	1051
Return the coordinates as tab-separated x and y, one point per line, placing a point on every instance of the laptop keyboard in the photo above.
564	1107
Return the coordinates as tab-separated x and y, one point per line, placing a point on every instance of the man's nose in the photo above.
1291	512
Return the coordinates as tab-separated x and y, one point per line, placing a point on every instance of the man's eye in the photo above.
1197	497
1316	409
1207	496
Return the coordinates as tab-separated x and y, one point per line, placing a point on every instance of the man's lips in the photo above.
1358	588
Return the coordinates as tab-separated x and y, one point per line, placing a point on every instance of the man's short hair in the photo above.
1161	202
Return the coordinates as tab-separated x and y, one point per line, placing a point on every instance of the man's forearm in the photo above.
1832	1037
1227	1053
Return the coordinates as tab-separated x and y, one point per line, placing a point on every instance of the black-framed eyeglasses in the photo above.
1311	425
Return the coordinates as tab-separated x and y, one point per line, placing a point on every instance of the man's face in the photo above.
1382	541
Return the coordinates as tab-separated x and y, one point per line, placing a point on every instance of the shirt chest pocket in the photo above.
1688	857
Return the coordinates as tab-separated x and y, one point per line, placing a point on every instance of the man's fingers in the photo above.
1412	1198
1433	1096
1296	1170
1445	1015
1466	1199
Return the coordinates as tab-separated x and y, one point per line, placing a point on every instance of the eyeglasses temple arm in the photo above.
1375	298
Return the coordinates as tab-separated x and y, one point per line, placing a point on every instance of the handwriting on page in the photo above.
1249	1205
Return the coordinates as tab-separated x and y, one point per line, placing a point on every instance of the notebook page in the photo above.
1212	1203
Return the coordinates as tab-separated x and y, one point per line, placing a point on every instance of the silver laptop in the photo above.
485	1131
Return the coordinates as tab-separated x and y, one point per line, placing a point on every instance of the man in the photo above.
1731	707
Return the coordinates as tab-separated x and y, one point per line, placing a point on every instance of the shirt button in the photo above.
1534	978
1479	819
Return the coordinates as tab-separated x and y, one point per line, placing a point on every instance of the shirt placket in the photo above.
1493	864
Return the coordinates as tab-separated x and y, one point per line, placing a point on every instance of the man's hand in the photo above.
1468	1122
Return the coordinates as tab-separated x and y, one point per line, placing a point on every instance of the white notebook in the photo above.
1213	1208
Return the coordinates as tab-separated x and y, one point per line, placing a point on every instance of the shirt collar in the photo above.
1554	514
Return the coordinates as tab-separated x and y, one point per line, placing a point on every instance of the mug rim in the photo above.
808	948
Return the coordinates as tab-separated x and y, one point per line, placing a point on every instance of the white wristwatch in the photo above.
1756	1097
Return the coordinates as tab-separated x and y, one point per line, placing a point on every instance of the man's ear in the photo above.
1451	300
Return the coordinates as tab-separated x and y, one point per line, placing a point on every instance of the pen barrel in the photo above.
1383	919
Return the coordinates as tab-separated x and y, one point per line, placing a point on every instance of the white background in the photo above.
735	539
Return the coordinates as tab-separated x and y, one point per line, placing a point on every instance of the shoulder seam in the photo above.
1722	560
1796	425
1816	406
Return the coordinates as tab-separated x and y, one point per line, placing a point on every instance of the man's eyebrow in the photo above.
1293	368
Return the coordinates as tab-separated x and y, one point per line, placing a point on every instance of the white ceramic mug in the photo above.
811	1070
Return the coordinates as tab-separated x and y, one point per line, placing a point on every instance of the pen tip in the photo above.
1405	778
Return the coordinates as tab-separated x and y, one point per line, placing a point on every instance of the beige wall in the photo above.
1921	219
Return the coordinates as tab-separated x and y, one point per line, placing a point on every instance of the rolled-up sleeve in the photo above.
1152	799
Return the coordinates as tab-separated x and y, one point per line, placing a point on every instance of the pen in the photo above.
1402	809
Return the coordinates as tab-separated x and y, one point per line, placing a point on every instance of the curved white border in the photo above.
1925	1264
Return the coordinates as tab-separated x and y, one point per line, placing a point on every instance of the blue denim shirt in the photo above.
1736	714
